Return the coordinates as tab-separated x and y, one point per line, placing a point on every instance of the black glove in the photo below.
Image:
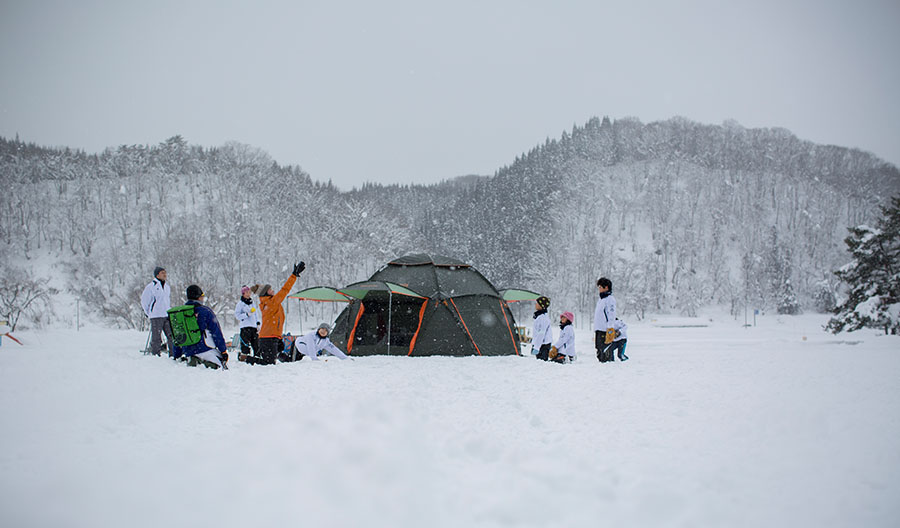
298	269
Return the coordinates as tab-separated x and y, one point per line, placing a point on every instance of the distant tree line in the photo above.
679	214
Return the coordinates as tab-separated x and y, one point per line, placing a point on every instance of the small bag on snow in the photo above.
185	328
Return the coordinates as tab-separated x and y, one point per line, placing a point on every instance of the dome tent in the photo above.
419	305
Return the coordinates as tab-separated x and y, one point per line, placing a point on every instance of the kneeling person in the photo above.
564	349
314	342
211	348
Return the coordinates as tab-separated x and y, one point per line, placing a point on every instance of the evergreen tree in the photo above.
873	276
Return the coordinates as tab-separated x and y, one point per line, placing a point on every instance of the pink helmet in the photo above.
569	315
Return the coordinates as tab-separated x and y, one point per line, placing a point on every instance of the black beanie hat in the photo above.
543	302
194	292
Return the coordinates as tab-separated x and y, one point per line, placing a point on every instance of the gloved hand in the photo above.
553	352
298	269
610	336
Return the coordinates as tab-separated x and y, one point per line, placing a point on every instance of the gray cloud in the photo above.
403	91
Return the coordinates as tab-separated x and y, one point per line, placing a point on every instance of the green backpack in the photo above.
185	328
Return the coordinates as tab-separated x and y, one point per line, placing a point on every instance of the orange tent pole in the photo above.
362	308
416	335
503	309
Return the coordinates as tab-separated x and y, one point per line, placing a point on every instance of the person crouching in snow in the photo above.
312	343
541	331
248	315
564	349
211	348
619	341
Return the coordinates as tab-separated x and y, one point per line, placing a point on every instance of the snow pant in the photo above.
268	351
544	352
600	344
214	356
616	346
160	325
249	338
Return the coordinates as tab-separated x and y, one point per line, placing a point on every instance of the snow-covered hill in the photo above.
719	425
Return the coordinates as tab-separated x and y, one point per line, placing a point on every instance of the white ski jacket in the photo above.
156	299
311	344
566	342
247	314
541	332
605	313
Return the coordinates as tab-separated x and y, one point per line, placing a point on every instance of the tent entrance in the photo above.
403	314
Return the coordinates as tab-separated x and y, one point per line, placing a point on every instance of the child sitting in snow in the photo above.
564	349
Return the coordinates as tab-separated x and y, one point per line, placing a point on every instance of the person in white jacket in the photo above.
247	314
564	349
311	344
156	301
604	319
541	332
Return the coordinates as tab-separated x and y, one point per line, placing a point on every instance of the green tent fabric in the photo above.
449	309
514	295
359	290
321	294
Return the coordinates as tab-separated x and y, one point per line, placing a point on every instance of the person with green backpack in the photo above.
196	331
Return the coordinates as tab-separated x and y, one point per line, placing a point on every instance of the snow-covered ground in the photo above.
705	426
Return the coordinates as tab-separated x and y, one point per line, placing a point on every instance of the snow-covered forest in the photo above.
680	215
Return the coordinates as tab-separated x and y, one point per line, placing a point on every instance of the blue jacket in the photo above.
212	334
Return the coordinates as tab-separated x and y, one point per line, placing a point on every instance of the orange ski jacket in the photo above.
272	312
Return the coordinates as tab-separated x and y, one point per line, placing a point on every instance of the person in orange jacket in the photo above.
273	318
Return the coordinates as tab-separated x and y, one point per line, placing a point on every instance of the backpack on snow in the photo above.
185	327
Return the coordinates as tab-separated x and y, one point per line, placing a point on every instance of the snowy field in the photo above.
704	426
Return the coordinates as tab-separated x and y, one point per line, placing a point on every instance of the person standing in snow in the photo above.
211	348
604	319
541	331
270	332
619	341
247	314
156	299
564	349
311	344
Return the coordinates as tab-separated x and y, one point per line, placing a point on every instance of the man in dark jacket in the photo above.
211	348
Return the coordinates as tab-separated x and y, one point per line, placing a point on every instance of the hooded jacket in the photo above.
273	312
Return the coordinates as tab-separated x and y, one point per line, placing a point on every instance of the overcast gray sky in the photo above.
416	91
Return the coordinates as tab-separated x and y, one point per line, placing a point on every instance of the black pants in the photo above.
603	354
268	351
544	352
249	338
